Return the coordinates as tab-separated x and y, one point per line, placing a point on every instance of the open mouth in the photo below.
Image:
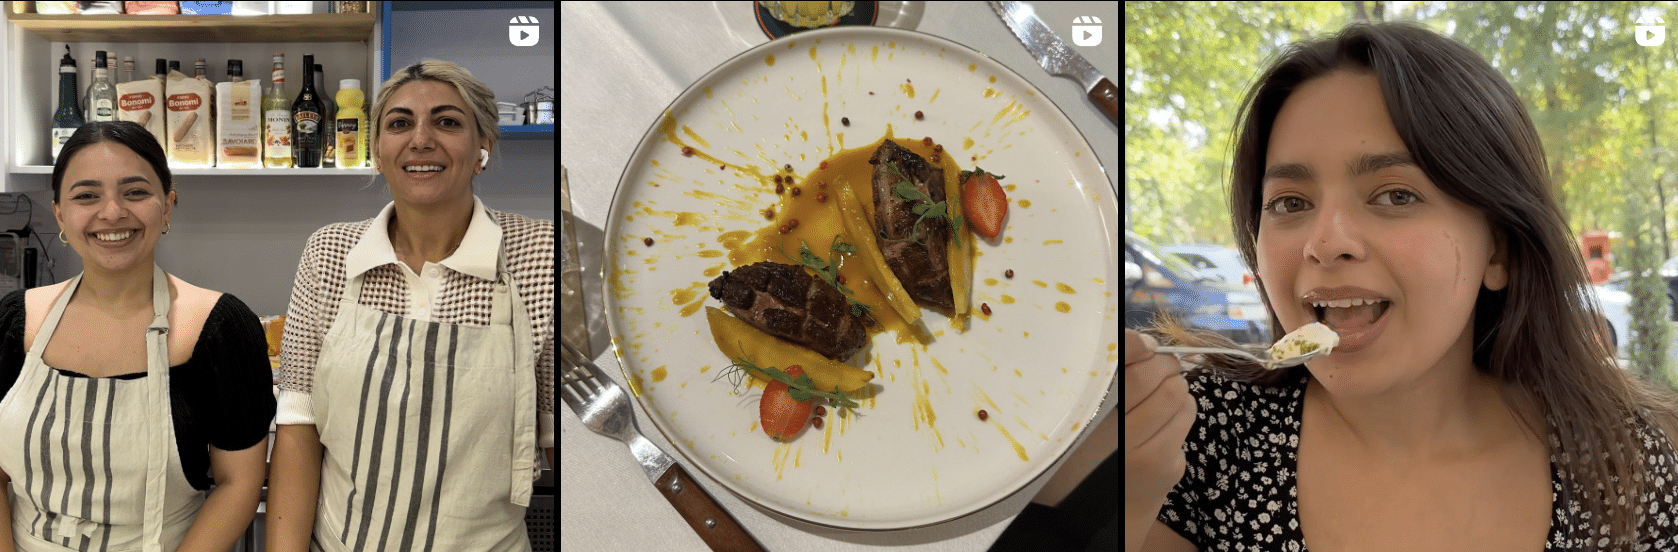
422	169
1350	315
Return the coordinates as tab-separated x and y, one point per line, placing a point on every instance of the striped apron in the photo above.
429	429
93	461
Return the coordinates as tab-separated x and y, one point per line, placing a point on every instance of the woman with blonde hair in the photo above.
417	362
1387	182
128	393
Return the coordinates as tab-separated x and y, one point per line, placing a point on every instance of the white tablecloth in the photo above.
621	64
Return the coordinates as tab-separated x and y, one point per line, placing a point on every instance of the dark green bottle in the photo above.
68	118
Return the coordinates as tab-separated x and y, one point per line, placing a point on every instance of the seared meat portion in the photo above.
784	301
921	267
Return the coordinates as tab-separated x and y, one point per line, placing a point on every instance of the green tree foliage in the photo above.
1596	96
1650	309
1187	66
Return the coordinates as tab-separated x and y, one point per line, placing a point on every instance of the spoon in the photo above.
1303	344
1262	356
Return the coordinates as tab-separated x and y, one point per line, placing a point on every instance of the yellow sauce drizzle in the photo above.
1018	450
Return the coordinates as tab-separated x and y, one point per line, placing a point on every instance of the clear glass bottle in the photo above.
276	110
101	94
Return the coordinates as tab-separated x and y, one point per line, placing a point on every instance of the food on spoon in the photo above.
740	341
785	302
912	222
983	202
1307	339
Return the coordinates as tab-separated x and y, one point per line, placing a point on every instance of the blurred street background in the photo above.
1602	98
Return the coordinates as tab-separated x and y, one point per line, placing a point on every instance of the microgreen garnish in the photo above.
978	172
921	205
828	270
802	388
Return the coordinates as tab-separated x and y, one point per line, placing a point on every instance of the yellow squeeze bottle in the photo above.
352	125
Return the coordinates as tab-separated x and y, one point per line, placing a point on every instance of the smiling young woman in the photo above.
1388	182
128	392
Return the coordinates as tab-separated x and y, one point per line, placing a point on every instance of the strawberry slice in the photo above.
783	417
983	202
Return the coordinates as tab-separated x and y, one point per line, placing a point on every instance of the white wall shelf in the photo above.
347	45
241	231
336	27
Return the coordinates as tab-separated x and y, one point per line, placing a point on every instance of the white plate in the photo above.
1039	372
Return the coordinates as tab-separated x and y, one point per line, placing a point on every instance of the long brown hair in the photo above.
1471	135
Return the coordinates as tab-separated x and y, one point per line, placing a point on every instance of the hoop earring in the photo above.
61	237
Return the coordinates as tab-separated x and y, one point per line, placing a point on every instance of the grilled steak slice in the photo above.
921	267
784	301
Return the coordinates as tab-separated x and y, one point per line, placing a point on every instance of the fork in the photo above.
1260	356
602	406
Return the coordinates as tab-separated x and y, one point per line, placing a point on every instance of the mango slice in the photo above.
740	340
862	233
960	258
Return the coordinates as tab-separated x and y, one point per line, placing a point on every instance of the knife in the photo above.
1056	58
573	327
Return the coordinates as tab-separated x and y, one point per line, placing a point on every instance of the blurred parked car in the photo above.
1616	307
1221	262
1669	272
1157	281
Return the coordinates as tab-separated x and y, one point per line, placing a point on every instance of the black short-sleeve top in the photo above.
222	396
1239	491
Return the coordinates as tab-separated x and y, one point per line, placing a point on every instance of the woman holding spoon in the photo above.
1389	184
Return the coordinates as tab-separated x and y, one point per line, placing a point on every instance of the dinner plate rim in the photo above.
619	354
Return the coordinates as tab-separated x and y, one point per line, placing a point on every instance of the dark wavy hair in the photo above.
128	133
1469	132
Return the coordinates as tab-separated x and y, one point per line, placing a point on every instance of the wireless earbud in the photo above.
483	158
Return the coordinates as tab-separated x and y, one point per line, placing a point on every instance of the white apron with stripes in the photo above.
429	429
93	461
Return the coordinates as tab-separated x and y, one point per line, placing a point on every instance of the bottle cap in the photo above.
67	61
99	59
349	83
236	67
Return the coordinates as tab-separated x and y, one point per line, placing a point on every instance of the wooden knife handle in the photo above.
714	525
1106	97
